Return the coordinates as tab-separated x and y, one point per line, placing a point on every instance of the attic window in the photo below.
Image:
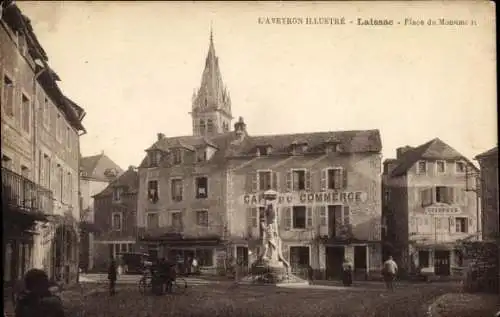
177	156
154	158
263	150
201	155
117	194
299	148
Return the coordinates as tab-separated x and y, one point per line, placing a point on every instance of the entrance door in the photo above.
242	255
423	258
334	260
442	263
360	256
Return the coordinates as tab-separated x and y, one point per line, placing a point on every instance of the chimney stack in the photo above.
161	136
131	168
240	127
400	151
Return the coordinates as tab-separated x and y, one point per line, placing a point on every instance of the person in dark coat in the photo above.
37	299
347	272
112	276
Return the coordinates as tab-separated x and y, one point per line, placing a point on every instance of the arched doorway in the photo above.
65	252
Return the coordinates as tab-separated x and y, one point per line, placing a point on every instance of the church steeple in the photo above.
211	108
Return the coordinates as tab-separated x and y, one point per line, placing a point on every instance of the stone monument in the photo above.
271	267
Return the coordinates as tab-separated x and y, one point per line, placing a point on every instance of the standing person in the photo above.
389	272
112	276
37	299
194	266
310	274
347	272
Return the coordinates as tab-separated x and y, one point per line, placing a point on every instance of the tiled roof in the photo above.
489	153
432	150
349	141
129	180
95	166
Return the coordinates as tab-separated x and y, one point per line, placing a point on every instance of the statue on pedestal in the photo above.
271	257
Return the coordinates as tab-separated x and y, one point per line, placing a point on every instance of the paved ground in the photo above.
134	279
466	305
226	299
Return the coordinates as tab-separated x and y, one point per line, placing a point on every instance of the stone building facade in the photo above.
40	157
428	208
96	172
115	218
199	195
488	162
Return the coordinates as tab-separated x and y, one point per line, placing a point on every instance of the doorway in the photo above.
334	260
299	257
334	219
423	258
242	255
360	257
442	263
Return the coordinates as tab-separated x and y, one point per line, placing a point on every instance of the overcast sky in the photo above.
134	66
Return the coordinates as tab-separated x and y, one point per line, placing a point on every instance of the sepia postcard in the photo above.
274	158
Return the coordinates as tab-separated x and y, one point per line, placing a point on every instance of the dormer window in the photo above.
263	150
154	158
460	167
201	155
422	167
332	146
117	194
177	156
299	148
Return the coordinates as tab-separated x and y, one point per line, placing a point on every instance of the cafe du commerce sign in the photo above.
309	198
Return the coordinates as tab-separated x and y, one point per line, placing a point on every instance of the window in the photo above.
117	194
68	137
461	225
202	126
299	256
154	158
299	180
323	216
153	191
58	127
421	167
177	156
335	179
205	257
116	221
7	162
460	167
299	217
70	188
201	187
444	195
440	167
210	126
26	113
201	155
152	220
265	180
202	218
254	217
176	187
45	171
8	96
176	219
46	114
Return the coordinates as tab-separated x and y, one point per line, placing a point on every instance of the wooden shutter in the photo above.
274	180
163	218
251	182
308	180
452	224
470	227
289	183
253	219
346	215
432	195
287	217
323	181
344	178
451	195
338	218
309	217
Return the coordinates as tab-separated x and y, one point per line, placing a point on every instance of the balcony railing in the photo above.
20	192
